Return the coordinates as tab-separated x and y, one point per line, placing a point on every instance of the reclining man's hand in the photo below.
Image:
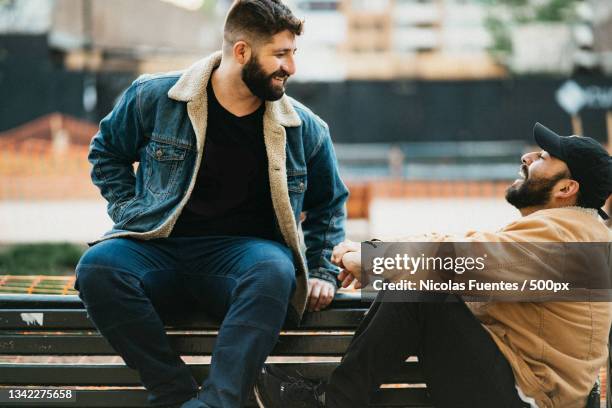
351	262
347	255
341	249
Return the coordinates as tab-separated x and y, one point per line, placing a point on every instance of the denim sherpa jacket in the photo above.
160	122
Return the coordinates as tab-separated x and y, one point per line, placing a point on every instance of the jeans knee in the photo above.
94	258
282	274
264	294
87	270
271	273
100	279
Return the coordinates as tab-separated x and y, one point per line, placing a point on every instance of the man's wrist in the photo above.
324	275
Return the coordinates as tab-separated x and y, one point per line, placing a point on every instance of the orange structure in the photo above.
46	159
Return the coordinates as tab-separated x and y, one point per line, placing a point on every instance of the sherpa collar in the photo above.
192	85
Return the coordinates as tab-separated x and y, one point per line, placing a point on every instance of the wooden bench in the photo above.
54	327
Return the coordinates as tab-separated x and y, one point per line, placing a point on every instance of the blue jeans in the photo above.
246	282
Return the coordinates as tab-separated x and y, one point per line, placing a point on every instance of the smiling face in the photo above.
269	67
540	178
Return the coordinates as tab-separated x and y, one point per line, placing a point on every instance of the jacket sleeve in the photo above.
114	150
529	248
324	204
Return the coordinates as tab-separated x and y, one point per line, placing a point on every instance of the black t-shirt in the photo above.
232	191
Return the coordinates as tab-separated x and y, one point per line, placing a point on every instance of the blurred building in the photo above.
77	56
446	39
423	66
343	39
47	159
135	35
430	39
116	35
25	16
318	58
390	39
542	48
111	35
578	43
602	12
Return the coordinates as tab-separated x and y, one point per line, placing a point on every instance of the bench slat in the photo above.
185	344
31	319
121	375
131	398
342	300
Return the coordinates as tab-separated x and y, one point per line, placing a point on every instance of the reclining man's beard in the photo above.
531	192
259	83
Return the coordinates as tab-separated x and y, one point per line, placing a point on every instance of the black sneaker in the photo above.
275	388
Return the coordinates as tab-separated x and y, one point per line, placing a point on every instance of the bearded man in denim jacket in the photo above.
209	221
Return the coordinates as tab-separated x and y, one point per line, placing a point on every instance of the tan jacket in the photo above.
555	349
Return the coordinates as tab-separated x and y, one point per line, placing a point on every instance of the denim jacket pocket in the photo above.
163	161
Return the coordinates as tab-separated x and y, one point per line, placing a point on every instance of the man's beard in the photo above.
532	192
260	83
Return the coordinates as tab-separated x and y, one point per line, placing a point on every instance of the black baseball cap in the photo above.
587	160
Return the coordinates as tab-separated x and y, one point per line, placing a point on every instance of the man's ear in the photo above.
242	52
566	189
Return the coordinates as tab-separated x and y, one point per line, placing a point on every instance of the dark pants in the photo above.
461	364
247	282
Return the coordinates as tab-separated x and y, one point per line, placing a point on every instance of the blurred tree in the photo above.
40	259
209	6
502	43
504	14
7	3
556	11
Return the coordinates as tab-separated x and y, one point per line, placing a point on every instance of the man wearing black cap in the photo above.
510	354
588	170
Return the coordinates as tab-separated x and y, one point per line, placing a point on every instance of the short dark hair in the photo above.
258	21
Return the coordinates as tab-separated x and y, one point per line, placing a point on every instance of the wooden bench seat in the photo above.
47	325
39	332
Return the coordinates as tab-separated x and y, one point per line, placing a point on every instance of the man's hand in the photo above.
320	294
347	255
341	249
351	261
